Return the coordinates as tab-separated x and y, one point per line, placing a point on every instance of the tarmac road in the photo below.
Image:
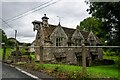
10	73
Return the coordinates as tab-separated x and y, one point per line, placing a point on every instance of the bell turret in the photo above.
45	20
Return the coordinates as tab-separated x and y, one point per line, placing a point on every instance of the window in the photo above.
69	44
58	41
92	41
77	42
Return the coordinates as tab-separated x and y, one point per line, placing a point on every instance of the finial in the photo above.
59	18
44	15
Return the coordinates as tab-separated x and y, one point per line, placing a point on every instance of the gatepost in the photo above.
83	60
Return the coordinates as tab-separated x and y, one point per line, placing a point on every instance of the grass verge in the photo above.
103	71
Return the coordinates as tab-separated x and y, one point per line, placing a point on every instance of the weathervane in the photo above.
59	18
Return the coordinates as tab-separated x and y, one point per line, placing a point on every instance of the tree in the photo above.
3	37
93	24
12	42
109	13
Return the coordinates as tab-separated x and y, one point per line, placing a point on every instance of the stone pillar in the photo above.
83	60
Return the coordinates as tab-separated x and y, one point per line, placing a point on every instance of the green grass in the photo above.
32	56
103	71
62	67
8	52
94	71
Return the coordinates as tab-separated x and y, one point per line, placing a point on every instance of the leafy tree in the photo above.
109	13
93	24
3	37
13	42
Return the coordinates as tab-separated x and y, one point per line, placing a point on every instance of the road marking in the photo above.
11	65
35	77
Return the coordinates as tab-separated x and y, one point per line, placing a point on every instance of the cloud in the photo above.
72	12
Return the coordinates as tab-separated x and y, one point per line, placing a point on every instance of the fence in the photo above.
83	49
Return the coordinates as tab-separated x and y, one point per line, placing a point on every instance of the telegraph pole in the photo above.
15	38
15	34
16	46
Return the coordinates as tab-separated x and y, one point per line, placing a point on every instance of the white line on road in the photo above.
35	77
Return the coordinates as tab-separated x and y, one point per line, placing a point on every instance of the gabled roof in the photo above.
85	34
69	31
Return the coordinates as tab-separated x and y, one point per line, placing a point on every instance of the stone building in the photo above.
32	49
59	44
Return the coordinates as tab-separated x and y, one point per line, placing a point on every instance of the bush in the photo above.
110	53
106	53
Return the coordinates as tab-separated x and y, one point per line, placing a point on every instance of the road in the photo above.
10	73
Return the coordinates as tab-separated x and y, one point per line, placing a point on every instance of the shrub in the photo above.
110	53
106	53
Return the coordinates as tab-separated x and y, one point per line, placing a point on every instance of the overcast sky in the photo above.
71	13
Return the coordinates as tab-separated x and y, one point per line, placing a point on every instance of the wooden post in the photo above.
4	53
83	60
16	57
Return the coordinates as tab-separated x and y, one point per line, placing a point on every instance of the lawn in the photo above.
103	71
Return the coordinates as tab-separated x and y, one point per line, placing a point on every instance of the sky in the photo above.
70	13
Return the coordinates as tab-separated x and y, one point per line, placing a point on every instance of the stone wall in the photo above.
50	54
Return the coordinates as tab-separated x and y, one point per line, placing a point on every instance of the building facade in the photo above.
60	44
